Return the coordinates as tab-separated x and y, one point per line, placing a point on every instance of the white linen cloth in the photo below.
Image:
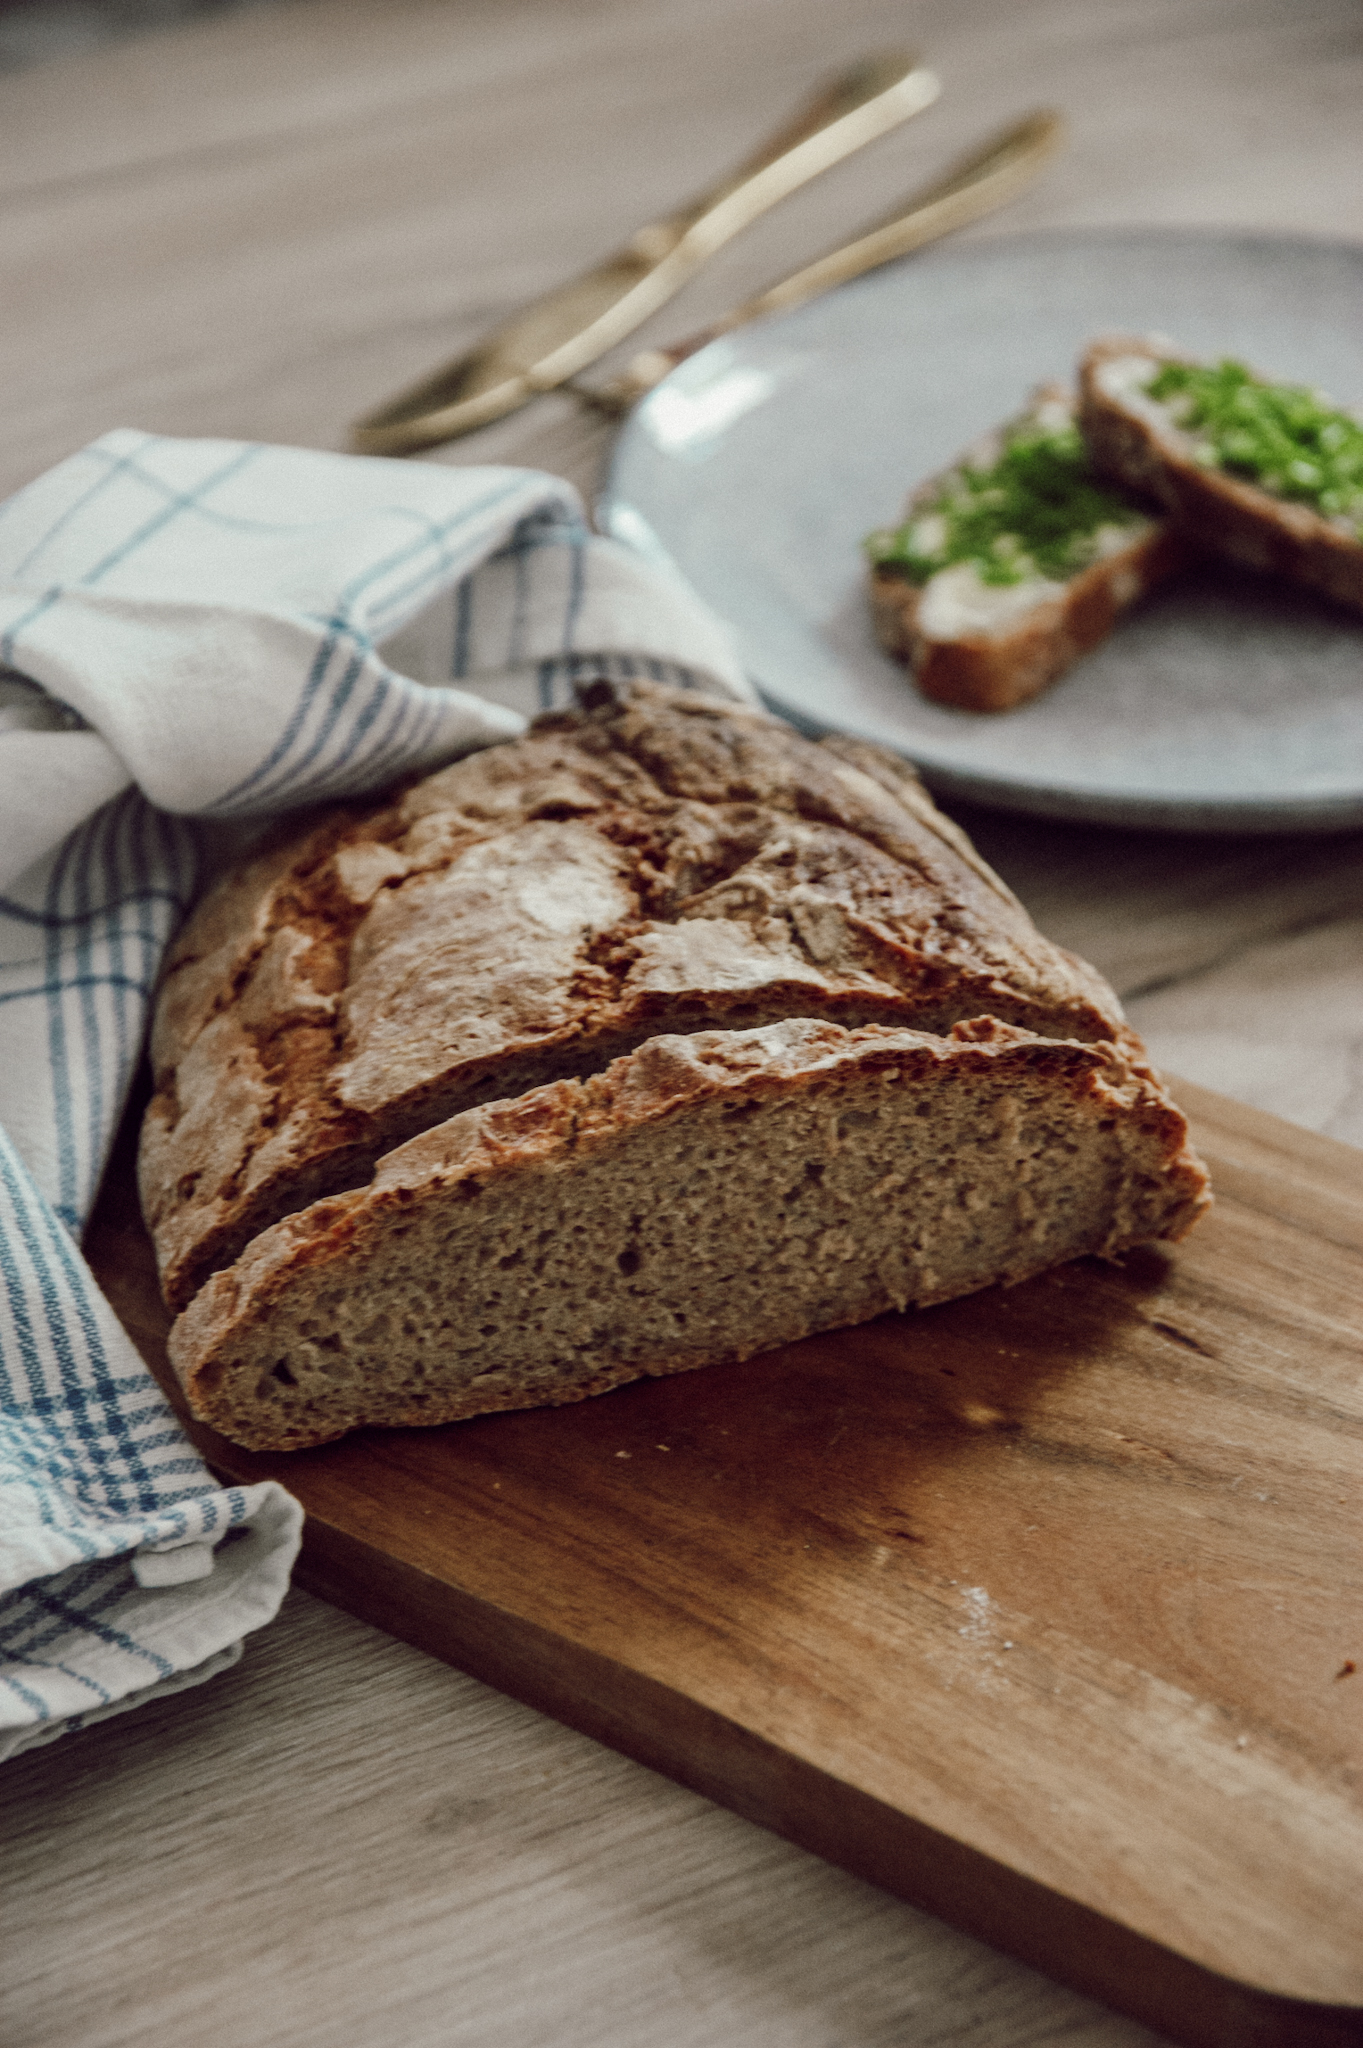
213	630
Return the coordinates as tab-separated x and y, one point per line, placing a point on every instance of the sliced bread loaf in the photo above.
1269	476
707	1197
1011	564
654	862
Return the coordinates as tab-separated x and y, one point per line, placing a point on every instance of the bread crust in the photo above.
1133	442
341	1316
997	672
654	862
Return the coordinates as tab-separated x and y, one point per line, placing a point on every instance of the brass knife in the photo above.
560	334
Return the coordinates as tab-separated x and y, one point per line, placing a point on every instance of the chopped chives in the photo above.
1034	512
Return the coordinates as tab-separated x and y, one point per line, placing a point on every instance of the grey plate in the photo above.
1222	704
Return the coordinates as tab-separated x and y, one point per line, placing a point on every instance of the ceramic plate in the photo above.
1222	703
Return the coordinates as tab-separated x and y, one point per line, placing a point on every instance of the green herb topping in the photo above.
1288	440
1036	511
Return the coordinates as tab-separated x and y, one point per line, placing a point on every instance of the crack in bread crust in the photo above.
652	863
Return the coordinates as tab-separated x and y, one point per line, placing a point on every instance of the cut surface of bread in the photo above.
707	1197
1141	442
653	863
1012	564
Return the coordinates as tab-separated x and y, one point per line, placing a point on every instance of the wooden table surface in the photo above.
256	224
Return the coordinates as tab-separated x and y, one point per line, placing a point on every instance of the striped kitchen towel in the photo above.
193	635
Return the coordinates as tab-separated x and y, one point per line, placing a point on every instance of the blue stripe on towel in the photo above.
344	554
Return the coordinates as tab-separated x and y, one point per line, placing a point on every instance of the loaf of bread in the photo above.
1014	562
654	863
1268	476
658	1037
704	1198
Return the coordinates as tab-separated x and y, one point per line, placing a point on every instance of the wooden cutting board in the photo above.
1041	1608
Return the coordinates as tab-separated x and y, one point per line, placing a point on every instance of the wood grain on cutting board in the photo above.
1036	1607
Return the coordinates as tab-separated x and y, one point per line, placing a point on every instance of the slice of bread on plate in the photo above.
1012	563
1269	476
706	1197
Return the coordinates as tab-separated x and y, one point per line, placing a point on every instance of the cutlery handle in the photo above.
562	333
742	203
869	79
971	187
